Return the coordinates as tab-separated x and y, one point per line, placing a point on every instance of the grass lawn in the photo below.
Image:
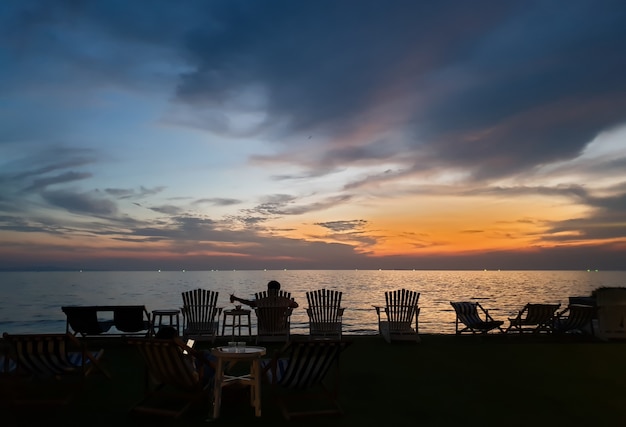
496	380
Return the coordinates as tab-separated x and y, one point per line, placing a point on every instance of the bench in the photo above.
126	320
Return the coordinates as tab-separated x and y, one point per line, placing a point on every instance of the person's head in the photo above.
273	286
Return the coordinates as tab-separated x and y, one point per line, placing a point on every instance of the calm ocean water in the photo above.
30	302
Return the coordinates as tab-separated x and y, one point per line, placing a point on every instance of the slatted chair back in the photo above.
200	313
575	317
468	313
535	318
173	372
325	313
49	355
540	314
274	293
273	319
302	368
167	364
401	308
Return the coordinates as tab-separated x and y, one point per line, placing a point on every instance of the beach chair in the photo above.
44	370
273	319
325	313
304	377
201	314
132	319
400	315
83	321
468	318
576	318
175	377
535	318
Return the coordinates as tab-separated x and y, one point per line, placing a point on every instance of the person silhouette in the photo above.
273	288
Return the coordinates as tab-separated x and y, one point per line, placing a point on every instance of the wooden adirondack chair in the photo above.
325	313
201	315
467	315
400	314
273	319
534	318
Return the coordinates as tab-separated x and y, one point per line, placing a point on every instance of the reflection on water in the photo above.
30	302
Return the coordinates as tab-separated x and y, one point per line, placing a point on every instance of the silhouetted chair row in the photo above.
201	315
532	318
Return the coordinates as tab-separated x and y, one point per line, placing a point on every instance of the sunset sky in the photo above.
321	134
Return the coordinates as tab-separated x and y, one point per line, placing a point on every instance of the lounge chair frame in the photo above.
534	318
45	370
306	372
174	373
469	319
576	318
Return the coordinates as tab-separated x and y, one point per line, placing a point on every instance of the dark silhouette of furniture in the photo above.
306	371
398	319
125	319
175	377
201	315
535	318
470	319
325	313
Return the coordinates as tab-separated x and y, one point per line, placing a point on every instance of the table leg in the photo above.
217	388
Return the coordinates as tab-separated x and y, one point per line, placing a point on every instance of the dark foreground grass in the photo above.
444	380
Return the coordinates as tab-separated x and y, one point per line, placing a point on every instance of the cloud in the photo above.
82	203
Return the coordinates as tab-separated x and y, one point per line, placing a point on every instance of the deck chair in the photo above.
468	318
175	377
273	319
201	315
84	321
534	318
576	318
325	313
305	372
47	369
132	319
400	314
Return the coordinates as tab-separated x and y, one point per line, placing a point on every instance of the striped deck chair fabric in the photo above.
468	318
534	318
44	369
301	372
576	318
273	319
401	312
173	375
201	314
325	313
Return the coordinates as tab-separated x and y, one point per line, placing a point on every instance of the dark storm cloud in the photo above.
494	87
82	203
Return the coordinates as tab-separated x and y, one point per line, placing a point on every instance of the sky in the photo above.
325	134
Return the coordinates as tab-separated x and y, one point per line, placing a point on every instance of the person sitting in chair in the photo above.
273	287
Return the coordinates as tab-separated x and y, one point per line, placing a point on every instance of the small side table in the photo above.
249	354
172	316
238	319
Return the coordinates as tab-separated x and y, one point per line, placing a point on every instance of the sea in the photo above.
30	302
